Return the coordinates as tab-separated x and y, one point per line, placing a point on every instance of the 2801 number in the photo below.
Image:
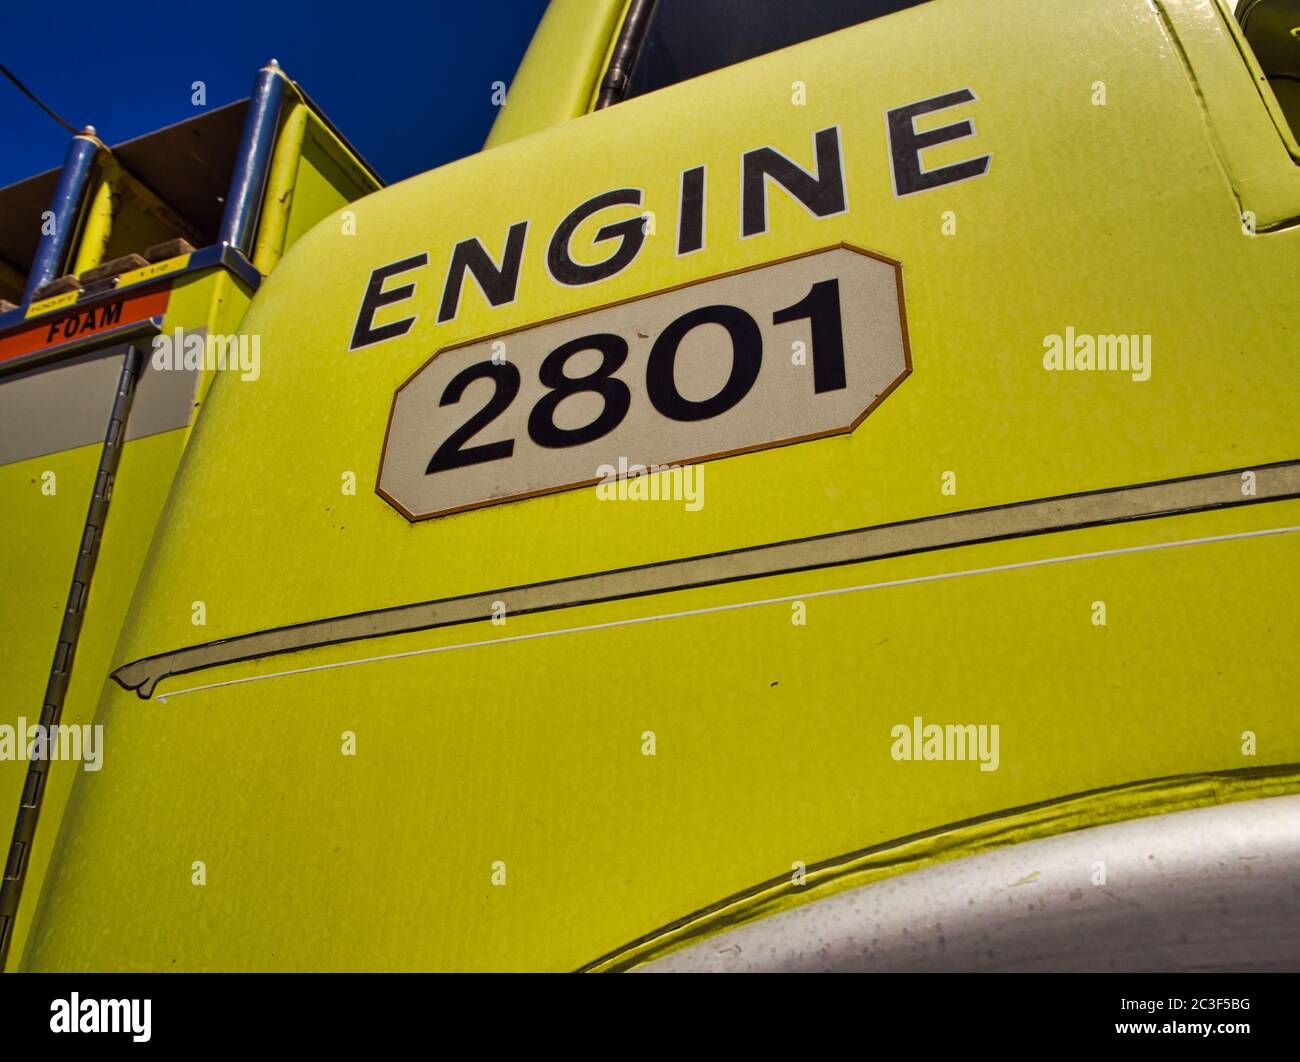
820	307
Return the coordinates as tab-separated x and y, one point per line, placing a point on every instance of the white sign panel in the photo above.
777	354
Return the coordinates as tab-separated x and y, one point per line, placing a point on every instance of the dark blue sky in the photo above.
408	82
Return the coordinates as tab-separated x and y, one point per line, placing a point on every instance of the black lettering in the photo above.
821	309
542	428
746	360
630	233
690	224
906	145
498	284
821	193
454	453
365	333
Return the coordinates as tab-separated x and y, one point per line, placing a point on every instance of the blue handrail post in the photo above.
65	211
248	182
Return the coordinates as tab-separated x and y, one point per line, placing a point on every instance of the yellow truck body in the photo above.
551	726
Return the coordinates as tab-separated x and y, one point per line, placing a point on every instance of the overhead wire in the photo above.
37	100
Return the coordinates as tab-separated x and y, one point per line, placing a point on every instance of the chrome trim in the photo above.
1215	888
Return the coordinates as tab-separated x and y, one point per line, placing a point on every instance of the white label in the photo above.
777	354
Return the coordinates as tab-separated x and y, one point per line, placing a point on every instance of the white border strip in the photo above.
164	697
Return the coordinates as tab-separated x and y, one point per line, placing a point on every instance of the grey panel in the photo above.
1211	889
66	404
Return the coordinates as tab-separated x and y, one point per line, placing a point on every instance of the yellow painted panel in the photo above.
41	533
1029	260
773	739
138	223
323	184
562	65
772	746
138	495
1259	149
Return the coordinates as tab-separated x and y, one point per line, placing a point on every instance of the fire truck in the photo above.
820	490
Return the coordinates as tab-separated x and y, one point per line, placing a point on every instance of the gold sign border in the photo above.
907	371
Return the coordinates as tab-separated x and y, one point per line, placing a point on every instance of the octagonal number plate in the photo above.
781	353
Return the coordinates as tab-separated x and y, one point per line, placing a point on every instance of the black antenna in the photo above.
35	99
